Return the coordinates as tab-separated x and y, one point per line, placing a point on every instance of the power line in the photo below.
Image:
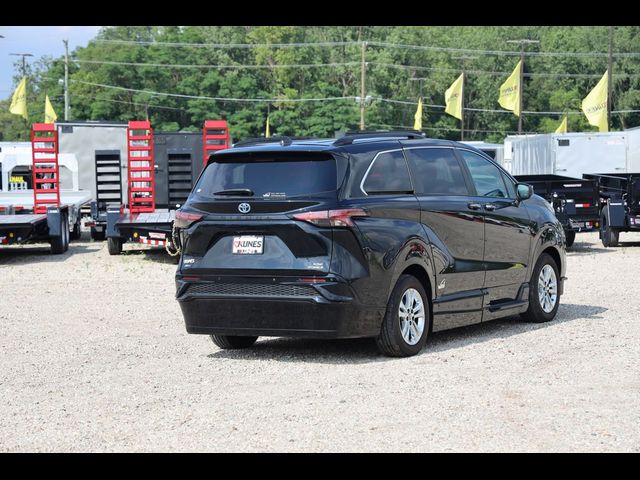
498	73
499	52
211	67
227	45
98	99
372	43
221	99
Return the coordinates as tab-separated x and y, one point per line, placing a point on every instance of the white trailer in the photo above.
574	154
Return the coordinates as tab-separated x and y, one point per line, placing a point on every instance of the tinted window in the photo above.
290	175
436	171
388	174
486	177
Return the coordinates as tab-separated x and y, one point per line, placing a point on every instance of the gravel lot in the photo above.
94	357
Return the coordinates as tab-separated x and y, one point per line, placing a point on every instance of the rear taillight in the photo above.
185	219
332	218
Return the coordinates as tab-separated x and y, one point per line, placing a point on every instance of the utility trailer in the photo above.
575	201
619	204
45	212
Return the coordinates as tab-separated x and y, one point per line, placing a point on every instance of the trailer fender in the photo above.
55	221
615	214
112	217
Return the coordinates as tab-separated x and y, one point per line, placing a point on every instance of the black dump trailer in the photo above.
619	204
575	200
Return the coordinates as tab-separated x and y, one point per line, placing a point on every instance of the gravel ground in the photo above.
94	357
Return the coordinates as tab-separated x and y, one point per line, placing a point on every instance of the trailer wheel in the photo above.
114	245
608	235
96	235
571	237
60	244
77	233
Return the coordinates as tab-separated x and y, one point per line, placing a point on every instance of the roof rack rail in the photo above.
351	136
282	140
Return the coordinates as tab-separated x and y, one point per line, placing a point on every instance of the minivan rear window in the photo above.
272	175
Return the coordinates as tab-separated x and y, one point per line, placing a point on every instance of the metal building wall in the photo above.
83	139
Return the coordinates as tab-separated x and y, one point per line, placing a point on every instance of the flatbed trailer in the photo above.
149	228
45	213
575	201
619	204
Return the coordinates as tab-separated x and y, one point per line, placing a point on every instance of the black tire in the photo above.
65	231
230	342
57	245
608	235
535	313
77	229
571	237
96	235
390	340
114	245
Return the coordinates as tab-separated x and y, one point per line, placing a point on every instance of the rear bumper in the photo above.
229	313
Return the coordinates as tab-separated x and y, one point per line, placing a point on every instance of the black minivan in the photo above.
376	234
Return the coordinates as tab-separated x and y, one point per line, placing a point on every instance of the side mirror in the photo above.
523	191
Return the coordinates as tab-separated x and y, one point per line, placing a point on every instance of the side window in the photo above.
436	171
486	177
388	174
511	188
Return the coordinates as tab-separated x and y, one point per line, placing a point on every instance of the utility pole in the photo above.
363	74
609	78
66	79
521	42
24	65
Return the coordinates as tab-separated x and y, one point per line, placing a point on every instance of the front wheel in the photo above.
544	297
406	322
233	341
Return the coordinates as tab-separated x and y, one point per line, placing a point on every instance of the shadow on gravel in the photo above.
156	255
364	350
580	248
41	253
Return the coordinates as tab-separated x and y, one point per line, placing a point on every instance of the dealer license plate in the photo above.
248	245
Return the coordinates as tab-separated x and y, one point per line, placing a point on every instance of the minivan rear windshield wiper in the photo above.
240	192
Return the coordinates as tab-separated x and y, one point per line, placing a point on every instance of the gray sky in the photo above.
38	40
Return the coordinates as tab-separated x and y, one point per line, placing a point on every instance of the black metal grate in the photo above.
251	290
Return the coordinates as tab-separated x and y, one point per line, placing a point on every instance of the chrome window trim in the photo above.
366	174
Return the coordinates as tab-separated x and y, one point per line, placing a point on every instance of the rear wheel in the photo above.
233	341
114	245
60	244
544	297
608	235
571	237
406	323
77	232
97	235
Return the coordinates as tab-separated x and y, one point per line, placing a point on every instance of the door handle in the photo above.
490	207
474	206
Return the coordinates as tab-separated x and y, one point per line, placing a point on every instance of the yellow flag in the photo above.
267	133
562	128
453	98
417	123
19	99
594	105
510	91
49	114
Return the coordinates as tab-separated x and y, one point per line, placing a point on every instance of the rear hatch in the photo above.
247	202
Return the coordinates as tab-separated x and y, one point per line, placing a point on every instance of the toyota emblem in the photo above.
244	208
